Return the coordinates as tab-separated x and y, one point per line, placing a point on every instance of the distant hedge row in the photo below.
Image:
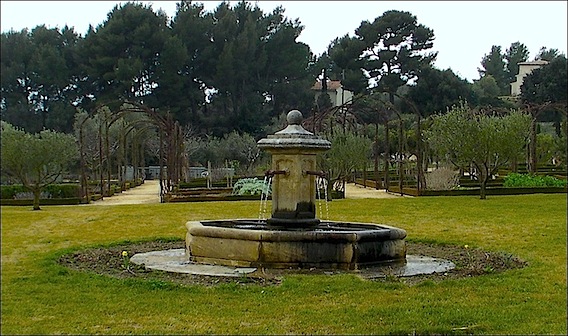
53	191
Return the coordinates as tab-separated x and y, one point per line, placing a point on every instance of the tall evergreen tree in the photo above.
121	55
547	84
437	90
16	52
394	48
343	66
39	74
548	54
257	62
516	54
493	64
189	69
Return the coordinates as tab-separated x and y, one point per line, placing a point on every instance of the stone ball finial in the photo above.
294	117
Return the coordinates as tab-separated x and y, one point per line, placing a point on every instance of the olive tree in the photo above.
479	138
36	160
348	152
238	149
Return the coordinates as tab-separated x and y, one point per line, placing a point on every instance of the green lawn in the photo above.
41	297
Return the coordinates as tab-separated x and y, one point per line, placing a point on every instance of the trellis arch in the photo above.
171	144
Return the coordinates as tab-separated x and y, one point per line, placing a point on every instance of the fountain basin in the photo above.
330	244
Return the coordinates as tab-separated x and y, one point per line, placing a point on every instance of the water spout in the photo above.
315	173
271	173
321	183
264	198
326	198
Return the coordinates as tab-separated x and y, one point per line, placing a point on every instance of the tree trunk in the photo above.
376	168
37	194
84	181
532	147
107	154
134	157
557	127
329	186
178	154
421	179
121	161
161	160
483	178
387	157
101	160
482	189
387	145
365	176
142	165
400	150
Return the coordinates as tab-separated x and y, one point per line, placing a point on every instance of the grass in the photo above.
41	297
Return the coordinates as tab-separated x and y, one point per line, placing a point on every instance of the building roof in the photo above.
331	85
537	62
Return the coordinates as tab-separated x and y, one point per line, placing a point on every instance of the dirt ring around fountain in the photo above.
109	261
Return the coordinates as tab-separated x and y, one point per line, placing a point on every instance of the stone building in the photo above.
337	94
525	68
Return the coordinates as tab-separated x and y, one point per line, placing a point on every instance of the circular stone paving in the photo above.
175	260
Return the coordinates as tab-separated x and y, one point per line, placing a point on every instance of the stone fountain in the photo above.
293	237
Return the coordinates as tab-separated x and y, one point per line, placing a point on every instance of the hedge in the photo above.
10	191
44	201
56	191
488	191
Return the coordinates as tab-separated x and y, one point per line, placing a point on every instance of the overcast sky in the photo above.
464	30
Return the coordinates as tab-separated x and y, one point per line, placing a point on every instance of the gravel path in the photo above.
149	192
355	191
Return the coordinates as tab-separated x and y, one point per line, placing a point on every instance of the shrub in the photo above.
64	190
515	180
251	186
442	179
17	191
10	191
28	195
201	183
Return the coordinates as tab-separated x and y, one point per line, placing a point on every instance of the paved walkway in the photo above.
149	192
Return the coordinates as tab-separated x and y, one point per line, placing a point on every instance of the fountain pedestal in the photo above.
293	187
293	236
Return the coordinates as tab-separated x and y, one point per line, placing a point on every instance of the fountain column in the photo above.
294	171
